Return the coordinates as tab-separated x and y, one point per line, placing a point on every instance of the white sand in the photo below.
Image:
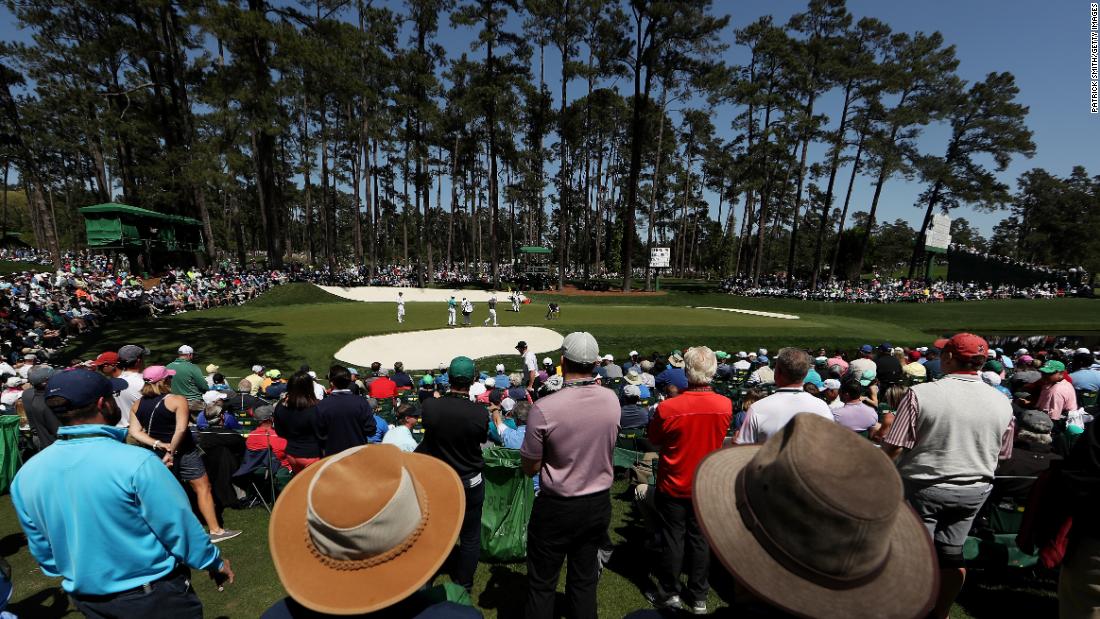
753	312
384	294
422	350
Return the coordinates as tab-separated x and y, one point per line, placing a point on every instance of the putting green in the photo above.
300	324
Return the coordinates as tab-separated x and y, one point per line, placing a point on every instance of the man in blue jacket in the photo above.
109	518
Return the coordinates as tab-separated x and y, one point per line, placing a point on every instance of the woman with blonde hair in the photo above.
160	420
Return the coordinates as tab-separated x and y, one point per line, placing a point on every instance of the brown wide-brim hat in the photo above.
904	588
322	588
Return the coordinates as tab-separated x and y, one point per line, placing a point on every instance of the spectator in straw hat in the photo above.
947	437
813	523
633	377
331	536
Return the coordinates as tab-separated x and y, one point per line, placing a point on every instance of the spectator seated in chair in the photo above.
1031	455
264	436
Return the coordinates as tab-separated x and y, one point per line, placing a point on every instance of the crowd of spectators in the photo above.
891	290
968	426
40	310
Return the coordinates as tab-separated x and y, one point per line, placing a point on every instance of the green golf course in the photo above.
300	323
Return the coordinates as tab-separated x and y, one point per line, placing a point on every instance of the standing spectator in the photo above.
947	437
454	430
569	442
530	364
190	384
813	523
685	429
41	419
405	545
139	565
295	419
131	363
854	414
160	420
769	415
451	304
1057	397
344	420
401	434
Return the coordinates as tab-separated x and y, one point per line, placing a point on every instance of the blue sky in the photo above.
1044	44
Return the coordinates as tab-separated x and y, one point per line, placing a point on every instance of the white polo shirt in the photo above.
769	415
530	363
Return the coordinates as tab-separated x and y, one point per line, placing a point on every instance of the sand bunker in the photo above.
753	312
387	294
422	350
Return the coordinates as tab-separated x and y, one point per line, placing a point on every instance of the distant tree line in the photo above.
328	129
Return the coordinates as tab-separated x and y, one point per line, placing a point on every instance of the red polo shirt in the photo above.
686	428
382	388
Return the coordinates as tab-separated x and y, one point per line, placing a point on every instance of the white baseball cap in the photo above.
633	353
763	352
186	350
213	396
548	361
507	404
608	358
831	383
1022	351
256	369
742	354
1083	351
500	367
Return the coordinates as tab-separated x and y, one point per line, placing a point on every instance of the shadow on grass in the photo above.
1010	593
211	337
11	544
635	553
506	592
48	603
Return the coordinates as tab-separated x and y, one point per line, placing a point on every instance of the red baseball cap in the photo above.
967	345
914	355
107	358
940	344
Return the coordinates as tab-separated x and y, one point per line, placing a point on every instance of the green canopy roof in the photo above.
532	249
125	209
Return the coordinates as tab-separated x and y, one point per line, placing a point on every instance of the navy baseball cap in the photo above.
82	387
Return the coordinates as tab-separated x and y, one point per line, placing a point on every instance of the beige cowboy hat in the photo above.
344	547
814	522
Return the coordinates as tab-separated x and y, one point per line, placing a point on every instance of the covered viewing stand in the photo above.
533	271
149	239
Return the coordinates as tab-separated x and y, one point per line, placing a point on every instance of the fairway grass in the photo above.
300	324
